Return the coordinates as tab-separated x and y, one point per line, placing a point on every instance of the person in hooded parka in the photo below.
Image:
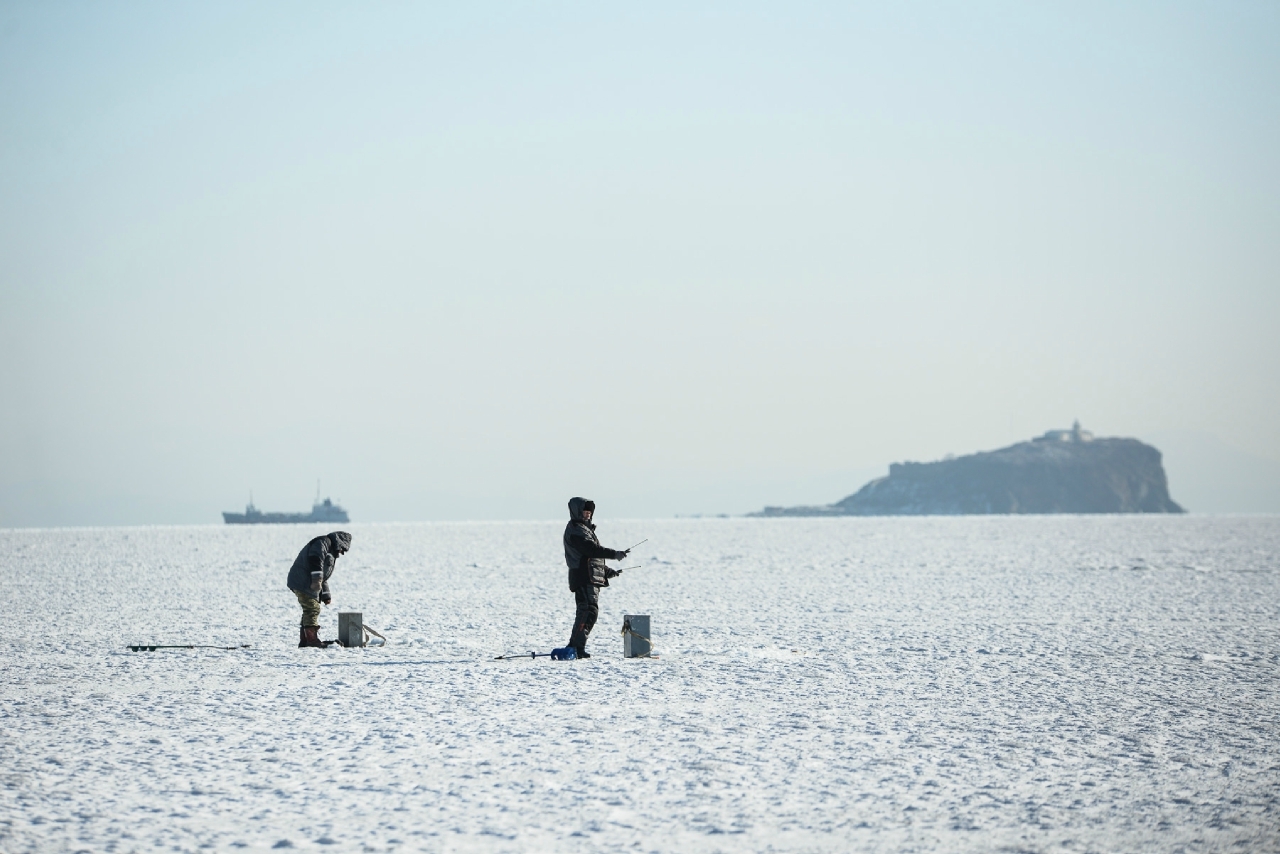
587	572
309	580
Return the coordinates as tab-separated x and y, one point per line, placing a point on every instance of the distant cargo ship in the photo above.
321	511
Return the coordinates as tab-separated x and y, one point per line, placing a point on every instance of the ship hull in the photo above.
280	518
325	512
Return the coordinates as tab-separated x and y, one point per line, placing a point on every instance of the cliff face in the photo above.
1098	476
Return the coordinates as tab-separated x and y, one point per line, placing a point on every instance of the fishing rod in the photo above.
512	655
641	543
620	570
151	648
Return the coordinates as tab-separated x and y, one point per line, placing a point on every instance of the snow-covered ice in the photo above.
939	684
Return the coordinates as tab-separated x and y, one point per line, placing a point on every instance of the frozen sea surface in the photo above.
943	684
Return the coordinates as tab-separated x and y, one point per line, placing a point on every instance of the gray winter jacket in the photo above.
583	552
319	555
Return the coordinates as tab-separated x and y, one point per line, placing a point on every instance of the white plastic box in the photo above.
636	640
351	628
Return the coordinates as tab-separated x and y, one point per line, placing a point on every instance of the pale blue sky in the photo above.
464	261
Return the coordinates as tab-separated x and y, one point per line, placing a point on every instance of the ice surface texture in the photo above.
886	684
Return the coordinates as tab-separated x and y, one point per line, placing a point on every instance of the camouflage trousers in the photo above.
310	609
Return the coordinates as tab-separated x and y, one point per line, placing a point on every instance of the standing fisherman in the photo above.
309	580
587	572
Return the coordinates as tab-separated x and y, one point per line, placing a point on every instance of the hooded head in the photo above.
578	505
341	541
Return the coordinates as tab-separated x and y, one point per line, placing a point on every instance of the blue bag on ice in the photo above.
564	653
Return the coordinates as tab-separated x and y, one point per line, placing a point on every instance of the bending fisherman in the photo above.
309	580
587	572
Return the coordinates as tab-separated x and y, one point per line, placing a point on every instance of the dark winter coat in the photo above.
319	555
583	552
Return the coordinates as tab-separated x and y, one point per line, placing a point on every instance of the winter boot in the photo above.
582	652
310	636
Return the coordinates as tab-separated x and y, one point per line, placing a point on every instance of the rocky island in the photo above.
1063	471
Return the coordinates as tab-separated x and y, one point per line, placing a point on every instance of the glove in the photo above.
326	598
612	573
619	555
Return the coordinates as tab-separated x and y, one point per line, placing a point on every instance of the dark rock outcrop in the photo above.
1054	474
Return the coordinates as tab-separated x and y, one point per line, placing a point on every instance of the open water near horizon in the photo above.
1061	683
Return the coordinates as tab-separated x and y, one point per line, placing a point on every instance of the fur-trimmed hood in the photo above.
576	508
